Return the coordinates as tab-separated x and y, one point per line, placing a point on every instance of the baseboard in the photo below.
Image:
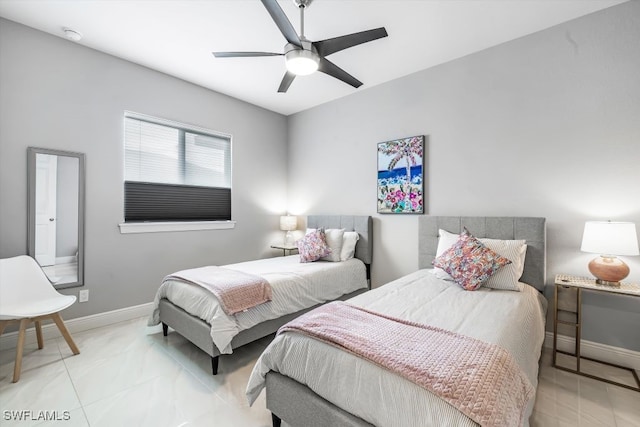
79	324
606	353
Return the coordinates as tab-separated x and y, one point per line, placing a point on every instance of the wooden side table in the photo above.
285	248
580	283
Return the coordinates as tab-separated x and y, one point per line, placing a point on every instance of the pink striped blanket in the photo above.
480	379
235	290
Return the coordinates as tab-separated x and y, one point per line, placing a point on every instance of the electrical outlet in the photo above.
83	296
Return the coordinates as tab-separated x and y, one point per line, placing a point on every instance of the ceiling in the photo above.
177	37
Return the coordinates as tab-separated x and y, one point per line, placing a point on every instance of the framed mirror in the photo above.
56	214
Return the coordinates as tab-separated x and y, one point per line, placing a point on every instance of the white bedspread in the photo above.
512	320
295	286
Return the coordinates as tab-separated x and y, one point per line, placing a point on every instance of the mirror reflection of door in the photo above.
46	185
56	220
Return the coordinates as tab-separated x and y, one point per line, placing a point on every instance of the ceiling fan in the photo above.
302	56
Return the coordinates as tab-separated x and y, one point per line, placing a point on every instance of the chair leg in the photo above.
65	333
19	347
39	334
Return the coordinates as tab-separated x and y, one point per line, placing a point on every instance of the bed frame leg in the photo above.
275	420
214	365
165	329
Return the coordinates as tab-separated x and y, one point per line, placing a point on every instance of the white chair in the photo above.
26	295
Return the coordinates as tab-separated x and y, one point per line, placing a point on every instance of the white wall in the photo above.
60	95
547	125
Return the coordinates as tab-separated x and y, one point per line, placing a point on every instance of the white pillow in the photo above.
334	238
349	245
445	241
507	277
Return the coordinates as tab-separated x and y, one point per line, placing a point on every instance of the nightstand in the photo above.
575	319
285	248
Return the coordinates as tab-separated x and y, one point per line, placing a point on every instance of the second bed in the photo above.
297	287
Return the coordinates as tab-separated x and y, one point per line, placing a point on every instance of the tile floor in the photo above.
130	375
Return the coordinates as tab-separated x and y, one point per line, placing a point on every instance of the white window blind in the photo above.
164	154
175	172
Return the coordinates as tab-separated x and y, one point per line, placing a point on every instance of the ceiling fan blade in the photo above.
243	54
333	70
336	44
286	81
281	20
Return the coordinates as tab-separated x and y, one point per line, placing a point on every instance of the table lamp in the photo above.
288	223
609	239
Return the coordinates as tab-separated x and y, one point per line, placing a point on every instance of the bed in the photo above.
194	314
350	391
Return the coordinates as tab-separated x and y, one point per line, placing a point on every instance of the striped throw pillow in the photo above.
507	277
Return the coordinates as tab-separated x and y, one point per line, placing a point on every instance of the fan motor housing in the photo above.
306	45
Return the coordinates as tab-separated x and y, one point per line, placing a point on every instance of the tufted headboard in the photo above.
533	230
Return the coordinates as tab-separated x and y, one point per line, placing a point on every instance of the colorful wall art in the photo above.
400	176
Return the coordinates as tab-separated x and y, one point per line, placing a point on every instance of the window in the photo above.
175	172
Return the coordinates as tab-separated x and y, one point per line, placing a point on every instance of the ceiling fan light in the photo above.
302	62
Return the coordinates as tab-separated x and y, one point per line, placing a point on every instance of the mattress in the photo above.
512	320
295	286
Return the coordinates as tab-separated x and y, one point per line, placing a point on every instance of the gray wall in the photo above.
547	125
60	95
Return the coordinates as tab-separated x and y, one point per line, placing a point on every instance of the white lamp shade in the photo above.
610	238
288	222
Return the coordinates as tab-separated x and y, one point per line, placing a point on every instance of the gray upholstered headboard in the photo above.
360	223
533	230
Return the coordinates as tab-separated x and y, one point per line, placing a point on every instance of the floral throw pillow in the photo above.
469	262
313	246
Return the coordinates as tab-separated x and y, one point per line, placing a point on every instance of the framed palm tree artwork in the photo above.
400	176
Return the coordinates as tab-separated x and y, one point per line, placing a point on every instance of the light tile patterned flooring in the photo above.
130	375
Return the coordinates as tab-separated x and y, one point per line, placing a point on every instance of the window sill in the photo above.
157	227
